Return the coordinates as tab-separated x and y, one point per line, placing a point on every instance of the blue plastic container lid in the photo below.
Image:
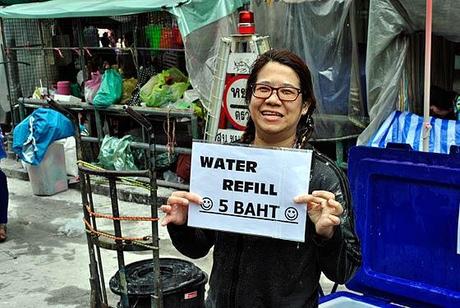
344	299
407	214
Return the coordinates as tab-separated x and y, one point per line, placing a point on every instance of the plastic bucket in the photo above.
183	283
63	87
153	34
166	39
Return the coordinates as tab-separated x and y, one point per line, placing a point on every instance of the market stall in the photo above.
134	48
395	57
94	58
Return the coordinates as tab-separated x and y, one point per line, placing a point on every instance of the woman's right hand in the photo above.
176	208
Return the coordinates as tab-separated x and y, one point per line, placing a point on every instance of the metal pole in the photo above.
124	302
81	56
45	58
12	75
157	298
94	280
217	89
101	280
426	93
133	49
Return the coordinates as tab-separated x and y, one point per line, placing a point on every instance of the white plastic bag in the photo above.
92	86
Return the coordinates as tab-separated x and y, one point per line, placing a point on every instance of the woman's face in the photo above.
276	120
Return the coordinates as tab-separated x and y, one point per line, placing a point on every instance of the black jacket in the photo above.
253	271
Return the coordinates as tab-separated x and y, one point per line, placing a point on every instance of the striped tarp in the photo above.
406	127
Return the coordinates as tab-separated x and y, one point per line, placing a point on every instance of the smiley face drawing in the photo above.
207	204
291	213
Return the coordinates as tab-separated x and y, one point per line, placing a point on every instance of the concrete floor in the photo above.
44	262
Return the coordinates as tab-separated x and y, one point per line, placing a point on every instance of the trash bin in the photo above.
183	283
50	176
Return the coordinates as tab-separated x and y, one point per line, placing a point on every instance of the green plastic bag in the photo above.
115	154
128	87
164	88
183	105
165	160
176	75
111	89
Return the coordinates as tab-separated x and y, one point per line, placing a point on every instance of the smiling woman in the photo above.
284	118
253	271
276	118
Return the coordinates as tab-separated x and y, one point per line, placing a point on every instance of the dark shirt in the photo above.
254	271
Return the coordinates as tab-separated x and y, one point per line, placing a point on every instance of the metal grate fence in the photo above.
39	53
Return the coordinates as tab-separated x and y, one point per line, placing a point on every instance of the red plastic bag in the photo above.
183	167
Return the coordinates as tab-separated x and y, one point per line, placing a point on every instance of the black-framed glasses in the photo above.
287	94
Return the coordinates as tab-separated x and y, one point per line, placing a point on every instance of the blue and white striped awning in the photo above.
406	127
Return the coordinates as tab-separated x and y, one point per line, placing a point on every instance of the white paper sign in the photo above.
249	190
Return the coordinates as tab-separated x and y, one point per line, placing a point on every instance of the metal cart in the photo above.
98	239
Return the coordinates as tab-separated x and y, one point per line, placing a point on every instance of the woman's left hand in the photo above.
323	211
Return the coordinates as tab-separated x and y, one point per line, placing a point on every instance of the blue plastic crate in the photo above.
407	214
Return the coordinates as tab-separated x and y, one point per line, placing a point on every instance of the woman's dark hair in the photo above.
288	58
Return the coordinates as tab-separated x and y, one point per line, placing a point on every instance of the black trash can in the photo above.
183	283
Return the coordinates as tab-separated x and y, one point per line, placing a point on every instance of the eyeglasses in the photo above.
287	94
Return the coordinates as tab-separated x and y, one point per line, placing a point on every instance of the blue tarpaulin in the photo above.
406	127
35	133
